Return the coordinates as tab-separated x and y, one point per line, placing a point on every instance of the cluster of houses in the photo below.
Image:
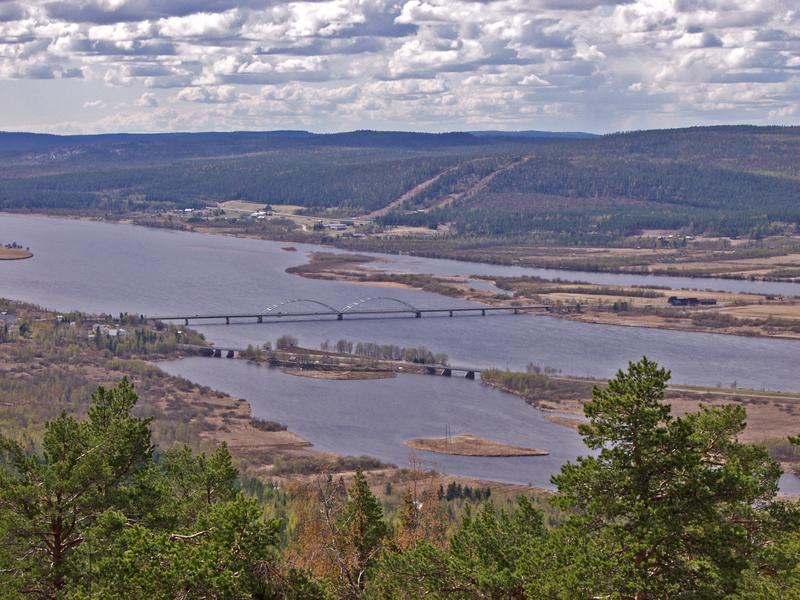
339	226
104	329
260	215
690	301
688	238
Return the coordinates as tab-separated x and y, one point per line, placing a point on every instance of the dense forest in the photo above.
664	507
734	181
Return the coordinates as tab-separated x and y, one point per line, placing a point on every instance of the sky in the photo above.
88	66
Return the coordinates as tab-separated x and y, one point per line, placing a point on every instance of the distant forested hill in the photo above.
739	180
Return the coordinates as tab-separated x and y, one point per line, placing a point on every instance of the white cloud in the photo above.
148	99
443	64
208	94
201	25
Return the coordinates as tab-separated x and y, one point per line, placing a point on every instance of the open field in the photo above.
471	445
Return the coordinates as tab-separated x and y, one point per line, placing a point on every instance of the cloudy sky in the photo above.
433	65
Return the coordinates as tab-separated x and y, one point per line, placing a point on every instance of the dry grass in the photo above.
789	310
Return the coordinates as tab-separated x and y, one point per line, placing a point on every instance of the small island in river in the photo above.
340	375
14	252
471	445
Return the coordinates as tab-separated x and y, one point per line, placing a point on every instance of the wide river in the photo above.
100	267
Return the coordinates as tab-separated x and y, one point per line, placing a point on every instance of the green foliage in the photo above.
487	558
221	555
669	505
322	177
48	502
664	507
96	515
363	525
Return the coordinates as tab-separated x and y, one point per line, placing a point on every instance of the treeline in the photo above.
731	181
665	507
531	384
595	225
342	178
141	341
419	355
672	182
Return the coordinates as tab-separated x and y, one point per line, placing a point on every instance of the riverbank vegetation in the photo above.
345	359
667	506
50	363
418	355
772	416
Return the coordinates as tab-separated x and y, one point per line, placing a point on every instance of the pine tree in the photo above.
363	527
668	506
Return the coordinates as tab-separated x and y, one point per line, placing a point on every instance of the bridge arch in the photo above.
329	308
361	301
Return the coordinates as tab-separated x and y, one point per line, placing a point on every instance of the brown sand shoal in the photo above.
14	253
471	445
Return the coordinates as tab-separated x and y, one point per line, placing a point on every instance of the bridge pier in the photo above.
470	375
217	353
340	317
186	322
230	354
451	313
516	311
447	373
431	370
483	312
227	320
260	319
418	314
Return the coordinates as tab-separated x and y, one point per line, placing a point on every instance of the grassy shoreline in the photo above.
771	416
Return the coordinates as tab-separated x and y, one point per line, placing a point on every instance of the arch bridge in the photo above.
358	307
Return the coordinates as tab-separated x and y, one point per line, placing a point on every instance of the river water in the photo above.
375	417
414	264
100	267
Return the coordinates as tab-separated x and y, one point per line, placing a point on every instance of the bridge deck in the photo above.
340	314
300	352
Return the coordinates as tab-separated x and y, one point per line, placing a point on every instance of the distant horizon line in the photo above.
476	132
